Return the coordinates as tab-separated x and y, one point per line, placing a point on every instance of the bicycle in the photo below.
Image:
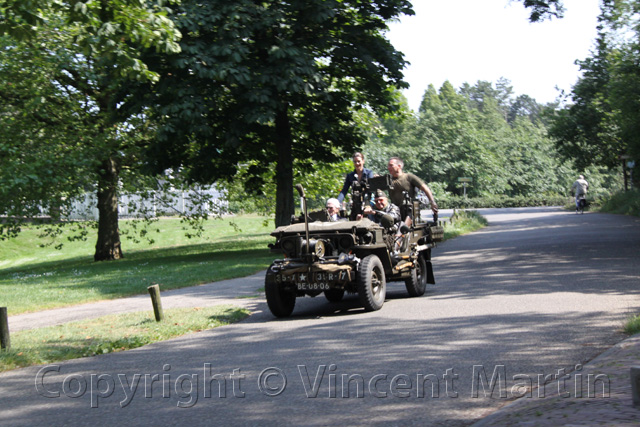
581	203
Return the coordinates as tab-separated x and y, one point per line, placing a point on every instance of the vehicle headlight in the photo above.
319	248
315	247
289	247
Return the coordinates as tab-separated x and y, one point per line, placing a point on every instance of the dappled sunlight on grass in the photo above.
47	283
25	249
111	334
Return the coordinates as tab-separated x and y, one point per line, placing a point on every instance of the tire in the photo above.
334	295
417	283
372	286
280	302
583	204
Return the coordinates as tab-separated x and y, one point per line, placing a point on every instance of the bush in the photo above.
623	202
499	201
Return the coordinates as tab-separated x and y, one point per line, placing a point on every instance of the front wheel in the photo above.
417	283
280	302
372	286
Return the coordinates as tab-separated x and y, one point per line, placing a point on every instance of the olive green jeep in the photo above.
355	255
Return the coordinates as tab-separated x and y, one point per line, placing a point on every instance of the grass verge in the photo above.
34	278
110	334
463	222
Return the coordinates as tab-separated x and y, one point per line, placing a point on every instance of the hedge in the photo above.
461	202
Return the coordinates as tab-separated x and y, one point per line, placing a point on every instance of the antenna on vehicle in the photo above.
300	190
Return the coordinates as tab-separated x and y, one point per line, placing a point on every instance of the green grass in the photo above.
632	326
110	334
463	222
624	202
34	278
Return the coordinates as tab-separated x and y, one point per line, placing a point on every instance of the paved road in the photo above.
538	291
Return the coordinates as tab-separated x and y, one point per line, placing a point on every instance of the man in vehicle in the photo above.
404	181
333	210
383	212
579	188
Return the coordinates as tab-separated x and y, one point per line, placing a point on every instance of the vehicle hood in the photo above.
326	227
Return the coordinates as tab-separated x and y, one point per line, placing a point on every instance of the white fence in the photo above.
129	205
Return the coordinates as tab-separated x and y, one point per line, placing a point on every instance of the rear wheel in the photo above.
280	301
417	283
372	286
334	294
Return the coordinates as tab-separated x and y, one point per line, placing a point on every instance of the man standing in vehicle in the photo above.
404	181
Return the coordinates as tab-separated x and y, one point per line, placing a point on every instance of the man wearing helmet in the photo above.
579	188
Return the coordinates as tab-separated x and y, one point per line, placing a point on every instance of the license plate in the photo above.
312	286
316	280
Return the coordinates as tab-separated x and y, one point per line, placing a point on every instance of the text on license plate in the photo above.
316	277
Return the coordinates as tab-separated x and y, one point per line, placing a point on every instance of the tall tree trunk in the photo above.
108	245
284	169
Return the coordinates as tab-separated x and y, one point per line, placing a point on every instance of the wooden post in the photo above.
635	385
5	341
154	291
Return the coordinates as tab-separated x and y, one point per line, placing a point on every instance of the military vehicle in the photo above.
355	255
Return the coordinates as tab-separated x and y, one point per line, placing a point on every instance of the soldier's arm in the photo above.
427	191
418	183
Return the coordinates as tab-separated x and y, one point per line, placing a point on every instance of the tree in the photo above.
93	50
524	106
114	29
484	90
43	161
270	83
624	84
544	9
601	123
465	133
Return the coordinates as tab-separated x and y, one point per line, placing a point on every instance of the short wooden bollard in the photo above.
154	291
5	342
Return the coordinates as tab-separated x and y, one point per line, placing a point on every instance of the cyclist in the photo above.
579	188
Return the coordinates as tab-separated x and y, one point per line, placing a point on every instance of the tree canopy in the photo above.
114	29
66	123
44	161
270	83
600	124
544	9
472	132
